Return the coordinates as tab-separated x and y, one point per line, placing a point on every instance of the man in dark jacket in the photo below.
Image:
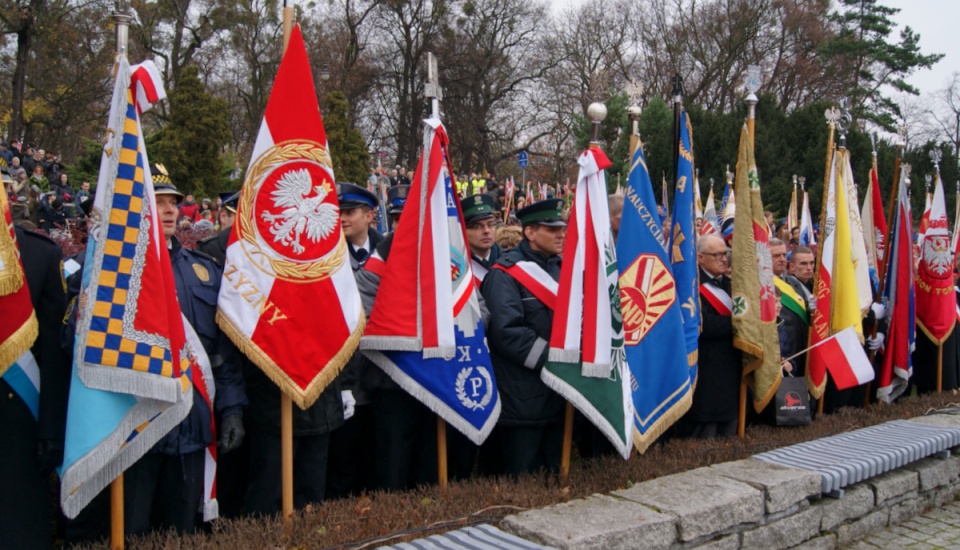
164	488
33	445
716	399
481	233
528	436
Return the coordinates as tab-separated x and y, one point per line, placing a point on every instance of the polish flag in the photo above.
847	362
288	298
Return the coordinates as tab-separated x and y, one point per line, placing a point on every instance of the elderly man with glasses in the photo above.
715	400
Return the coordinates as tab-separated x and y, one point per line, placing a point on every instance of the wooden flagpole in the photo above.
565	451
286	403
433	93
121	19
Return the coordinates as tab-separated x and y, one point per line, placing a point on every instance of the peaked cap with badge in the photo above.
546	212
353	196
162	184
477	207
229	200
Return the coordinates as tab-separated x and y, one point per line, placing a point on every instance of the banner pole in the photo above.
116	513
442	455
742	409
286	403
940	367
567	443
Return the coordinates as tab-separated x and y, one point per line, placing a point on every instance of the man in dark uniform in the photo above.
216	245
396	197
33	446
715	406
352	461
528	436
481	233
165	488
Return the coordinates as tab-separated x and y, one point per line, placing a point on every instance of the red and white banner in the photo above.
147	85
288	298
580	330
848	364
936	302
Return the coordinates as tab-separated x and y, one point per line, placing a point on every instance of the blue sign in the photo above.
523	160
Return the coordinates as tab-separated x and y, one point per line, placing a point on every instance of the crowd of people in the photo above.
364	433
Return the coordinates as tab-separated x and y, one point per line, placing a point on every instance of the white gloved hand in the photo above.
349	404
878	310
812	303
875	343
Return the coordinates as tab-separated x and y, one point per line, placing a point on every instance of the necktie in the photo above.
361	255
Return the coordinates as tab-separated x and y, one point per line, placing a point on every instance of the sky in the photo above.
934	20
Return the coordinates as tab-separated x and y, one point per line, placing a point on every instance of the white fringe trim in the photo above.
436	405
211	510
139	384
391	343
92	472
563	355
445	352
597	370
622	442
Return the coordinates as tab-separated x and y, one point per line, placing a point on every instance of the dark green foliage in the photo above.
351	160
191	144
863	45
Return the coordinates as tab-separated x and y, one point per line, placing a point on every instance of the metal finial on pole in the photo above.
596	113
936	155
752	84
677	93
432	88
843	123
803	182
121	19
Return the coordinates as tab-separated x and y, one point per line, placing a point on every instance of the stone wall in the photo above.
745	504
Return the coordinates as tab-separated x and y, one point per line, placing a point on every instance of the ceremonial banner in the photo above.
728	212
383	218
807	237
936	302
18	324
898	295
287	259
874	224
586	363
652	317
697	202
425	329
754	299
838	302
683	247
858	249
924	218
133	367
710	225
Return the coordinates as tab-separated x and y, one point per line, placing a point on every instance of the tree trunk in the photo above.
24	38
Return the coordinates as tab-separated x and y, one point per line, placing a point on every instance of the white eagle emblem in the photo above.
300	212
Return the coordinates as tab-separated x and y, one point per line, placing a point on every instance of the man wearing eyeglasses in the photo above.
481	230
715	400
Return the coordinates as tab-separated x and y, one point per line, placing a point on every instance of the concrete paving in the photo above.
936	529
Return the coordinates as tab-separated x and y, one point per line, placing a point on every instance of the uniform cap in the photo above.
352	196
546	212
477	207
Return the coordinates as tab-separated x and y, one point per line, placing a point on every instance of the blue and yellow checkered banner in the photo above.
131	378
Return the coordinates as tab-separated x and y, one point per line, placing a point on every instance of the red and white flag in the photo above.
288	299
848	364
147	85
936	304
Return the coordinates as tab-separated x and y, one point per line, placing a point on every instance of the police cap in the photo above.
546	212
229	200
396	198
352	196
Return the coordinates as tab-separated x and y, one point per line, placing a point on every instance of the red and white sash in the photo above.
535	279
718	298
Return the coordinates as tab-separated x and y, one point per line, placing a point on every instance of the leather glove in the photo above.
231	433
349	404
878	310
875	343
49	455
